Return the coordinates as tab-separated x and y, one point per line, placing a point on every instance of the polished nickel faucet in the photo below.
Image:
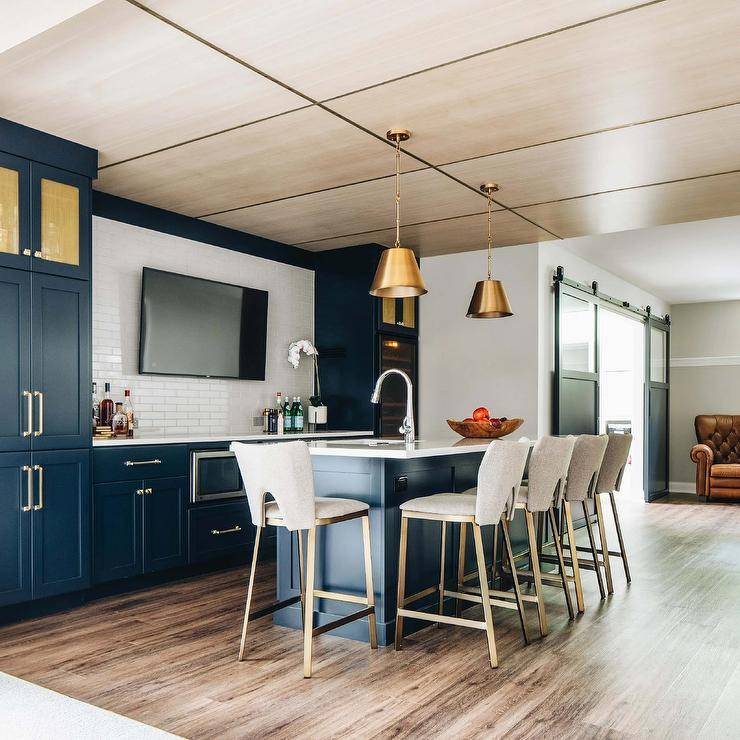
407	426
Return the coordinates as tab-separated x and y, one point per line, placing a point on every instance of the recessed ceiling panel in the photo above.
463	234
660	60
425	195
334	47
117	79
698	144
289	155
639	208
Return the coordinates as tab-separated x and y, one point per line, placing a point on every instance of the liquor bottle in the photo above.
95	406
119	422
288	416
272	422
298	416
128	409
266	421
106	408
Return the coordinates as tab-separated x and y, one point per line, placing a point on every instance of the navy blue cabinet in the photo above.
139	527
15	216
44	524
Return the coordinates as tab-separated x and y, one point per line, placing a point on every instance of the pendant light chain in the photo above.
490	237
398	192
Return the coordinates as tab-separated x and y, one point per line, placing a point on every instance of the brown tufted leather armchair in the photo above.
717	456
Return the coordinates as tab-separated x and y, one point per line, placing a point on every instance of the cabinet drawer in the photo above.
217	531
139	462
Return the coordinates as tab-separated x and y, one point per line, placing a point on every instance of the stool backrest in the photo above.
283	470
615	459
588	453
499	477
548	468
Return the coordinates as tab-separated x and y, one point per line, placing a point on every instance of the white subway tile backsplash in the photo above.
191	405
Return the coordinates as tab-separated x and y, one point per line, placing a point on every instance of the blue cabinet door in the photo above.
165	531
60	362
15	367
117	530
15	223
15	528
61	222
61	522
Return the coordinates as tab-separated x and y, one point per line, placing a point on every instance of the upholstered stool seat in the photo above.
447	504
326	508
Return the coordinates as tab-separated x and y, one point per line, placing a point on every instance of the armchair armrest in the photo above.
703	456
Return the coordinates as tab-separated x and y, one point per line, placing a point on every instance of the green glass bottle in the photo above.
288	415
298	415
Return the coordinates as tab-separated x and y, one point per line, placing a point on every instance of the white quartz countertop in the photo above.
397	450
171	439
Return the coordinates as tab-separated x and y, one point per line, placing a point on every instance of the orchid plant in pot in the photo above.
317	412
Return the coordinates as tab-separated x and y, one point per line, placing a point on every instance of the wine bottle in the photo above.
298	416
106	408
288	416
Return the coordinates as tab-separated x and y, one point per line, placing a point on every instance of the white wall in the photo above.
191	405
465	363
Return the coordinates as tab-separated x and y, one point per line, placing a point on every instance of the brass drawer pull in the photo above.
236	528
40	430
29	490
40	504
131	463
29	412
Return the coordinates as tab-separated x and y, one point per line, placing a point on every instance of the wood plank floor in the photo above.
658	659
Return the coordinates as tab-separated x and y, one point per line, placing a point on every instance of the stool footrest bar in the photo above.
342	621
333	596
274	607
443	618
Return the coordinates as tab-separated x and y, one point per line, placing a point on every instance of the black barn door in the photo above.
657	393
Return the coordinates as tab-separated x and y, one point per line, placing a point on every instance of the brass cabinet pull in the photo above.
26	252
29	488
38	253
40	430
139	491
235	528
40	504
148	491
29	413
131	463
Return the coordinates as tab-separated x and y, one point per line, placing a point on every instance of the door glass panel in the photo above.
409	312
578	334
657	356
9	229
60	222
389	310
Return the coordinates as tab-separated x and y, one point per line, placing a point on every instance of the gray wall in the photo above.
705	375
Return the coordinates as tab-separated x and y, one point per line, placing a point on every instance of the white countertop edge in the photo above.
204	438
421	448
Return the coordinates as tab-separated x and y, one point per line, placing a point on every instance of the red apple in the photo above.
495	423
470	418
480	414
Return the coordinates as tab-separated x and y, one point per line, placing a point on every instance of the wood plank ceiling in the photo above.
270	119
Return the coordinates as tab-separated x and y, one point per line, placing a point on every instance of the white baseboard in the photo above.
676	487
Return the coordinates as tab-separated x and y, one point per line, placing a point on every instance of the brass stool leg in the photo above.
604	545
301	584
485	595
494	555
536	573
561	563
250	589
573	554
308	618
594	553
515	577
369	588
461	565
400	594
443	548
620	538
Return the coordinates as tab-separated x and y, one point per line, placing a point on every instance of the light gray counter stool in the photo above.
499	478
610	481
284	471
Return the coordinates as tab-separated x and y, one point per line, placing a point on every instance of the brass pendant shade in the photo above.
398	274
489	299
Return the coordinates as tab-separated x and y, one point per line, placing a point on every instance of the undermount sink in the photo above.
367	442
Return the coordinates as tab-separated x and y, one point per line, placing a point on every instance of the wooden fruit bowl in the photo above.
482	429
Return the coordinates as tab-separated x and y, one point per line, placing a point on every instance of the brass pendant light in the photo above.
398	274
489	299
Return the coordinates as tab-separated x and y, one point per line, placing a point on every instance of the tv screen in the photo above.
197	327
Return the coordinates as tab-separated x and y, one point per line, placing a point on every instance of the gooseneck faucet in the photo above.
407	426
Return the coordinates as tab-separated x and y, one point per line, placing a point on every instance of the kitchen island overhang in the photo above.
383	475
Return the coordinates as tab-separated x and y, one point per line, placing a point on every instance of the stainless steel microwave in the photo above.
214	474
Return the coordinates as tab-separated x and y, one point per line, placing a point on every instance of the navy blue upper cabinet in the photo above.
61	522
15	210
60	222
15	369
60	362
15	528
165	540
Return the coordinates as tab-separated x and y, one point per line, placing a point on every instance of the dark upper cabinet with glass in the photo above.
45	222
398	316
